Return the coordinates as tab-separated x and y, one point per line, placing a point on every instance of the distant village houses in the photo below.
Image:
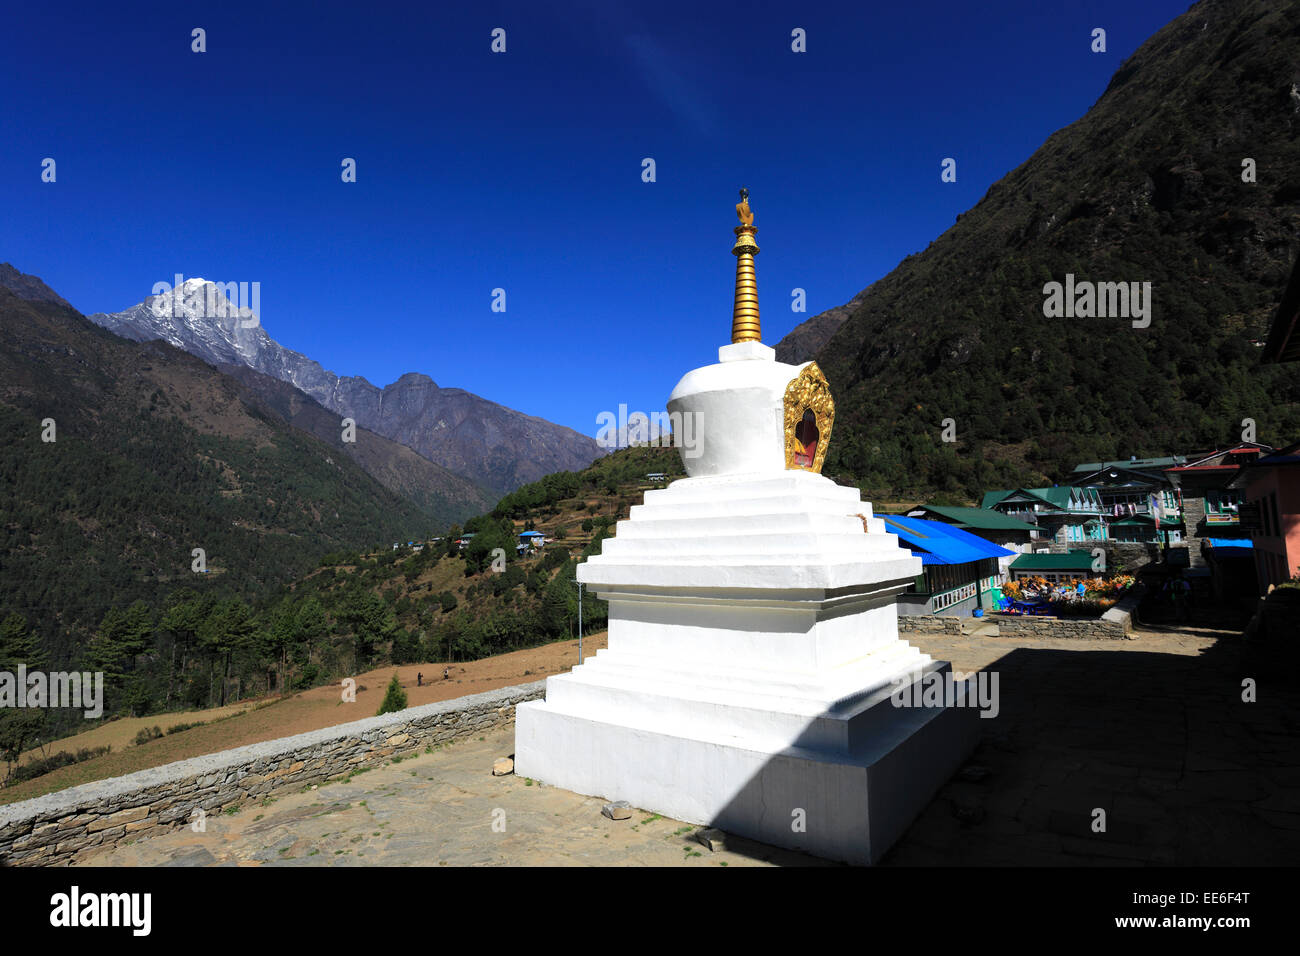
1230	516
530	540
1067	514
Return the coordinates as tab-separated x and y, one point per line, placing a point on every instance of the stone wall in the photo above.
1195	528
1073	627
1128	556
57	827
929	624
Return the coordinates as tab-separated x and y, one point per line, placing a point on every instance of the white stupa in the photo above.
753	635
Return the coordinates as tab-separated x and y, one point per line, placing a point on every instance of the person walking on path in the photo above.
1179	589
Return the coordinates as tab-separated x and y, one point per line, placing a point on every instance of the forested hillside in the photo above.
1146	187
120	459
199	645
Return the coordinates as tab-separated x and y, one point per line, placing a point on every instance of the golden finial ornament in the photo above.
744	315
742	209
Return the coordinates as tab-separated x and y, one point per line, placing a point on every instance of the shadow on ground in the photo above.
1178	747
1186	771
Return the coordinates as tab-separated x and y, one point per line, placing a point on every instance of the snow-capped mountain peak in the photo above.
216	321
496	446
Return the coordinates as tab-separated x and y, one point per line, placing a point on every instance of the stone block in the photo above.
711	838
619	810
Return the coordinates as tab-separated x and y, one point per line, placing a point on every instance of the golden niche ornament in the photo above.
809	417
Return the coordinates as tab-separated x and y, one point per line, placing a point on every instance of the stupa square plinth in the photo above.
753	656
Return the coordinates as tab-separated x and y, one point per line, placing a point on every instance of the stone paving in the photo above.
1152	731
439	809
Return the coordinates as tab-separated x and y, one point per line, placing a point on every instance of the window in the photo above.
1222	502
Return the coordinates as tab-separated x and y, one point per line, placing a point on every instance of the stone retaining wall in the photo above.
1010	625
929	624
55	828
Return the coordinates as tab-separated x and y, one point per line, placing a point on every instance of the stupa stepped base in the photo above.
753	650
842	783
770	709
752	532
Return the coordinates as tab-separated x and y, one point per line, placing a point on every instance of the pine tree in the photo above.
18	645
394	697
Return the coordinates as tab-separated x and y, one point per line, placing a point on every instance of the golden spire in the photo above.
744	316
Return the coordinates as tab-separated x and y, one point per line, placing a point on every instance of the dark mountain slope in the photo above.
806	339
157	453
28	287
1146	187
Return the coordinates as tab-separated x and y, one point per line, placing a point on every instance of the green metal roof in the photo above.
985	519
1072	561
993	497
1058	497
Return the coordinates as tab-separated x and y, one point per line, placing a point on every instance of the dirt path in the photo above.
120	733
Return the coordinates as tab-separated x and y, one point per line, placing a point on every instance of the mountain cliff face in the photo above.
1146	187
488	443
806	339
446	496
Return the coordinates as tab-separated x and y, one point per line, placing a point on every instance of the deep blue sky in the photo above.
522	170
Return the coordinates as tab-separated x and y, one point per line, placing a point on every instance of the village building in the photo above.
1011	534
1056	568
529	540
959	570
1143	529
1139	502
1210	507
1270	486
1068	515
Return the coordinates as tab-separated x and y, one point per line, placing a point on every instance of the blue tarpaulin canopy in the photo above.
1229	542
936	542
